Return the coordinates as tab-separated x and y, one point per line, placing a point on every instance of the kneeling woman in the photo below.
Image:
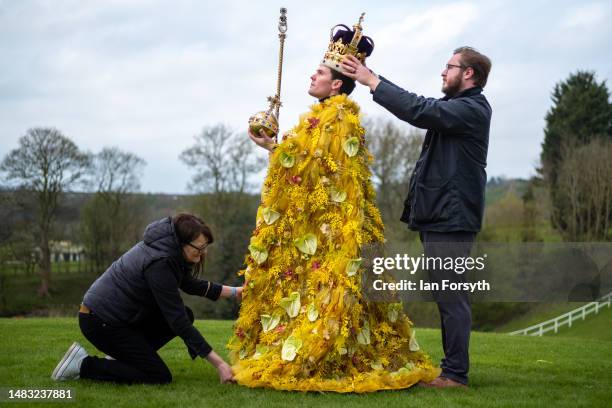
135	308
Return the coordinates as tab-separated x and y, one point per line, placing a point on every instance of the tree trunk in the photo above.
45	266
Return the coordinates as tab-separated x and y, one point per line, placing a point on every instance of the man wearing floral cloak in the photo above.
304	322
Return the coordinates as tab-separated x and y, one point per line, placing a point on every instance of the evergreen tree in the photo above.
581	112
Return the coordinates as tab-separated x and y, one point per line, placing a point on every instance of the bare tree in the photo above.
105	219
116	172
45	164
223	160
395	152
585	188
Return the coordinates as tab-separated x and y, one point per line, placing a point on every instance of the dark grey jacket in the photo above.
447	188
146	280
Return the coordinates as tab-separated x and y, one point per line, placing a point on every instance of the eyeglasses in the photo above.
199	249
450	66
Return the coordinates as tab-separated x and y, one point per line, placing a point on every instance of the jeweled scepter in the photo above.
268	120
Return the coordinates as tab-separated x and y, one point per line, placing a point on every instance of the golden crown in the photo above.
340	45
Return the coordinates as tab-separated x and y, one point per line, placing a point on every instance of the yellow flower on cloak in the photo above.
316	133
318	199
385	329
353	119
331	164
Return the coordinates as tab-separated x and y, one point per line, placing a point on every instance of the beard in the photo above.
451	87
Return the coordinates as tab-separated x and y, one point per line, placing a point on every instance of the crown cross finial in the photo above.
357	36
282	21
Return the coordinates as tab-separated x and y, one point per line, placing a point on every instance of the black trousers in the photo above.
134	349
455	310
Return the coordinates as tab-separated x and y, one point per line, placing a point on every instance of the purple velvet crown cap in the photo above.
345	34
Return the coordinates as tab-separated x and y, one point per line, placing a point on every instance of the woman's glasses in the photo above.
197	248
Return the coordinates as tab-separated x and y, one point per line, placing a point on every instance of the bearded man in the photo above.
446	194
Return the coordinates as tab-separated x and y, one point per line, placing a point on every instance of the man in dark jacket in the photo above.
135	307
445	201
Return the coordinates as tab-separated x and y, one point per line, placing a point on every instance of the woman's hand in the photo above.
223	369
226	375
239	290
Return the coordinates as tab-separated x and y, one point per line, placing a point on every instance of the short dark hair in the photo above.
187	228
480	63
348	84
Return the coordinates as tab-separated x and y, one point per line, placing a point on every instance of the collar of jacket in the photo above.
466	92
180	264
186	266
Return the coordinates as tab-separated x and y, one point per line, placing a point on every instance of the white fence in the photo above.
566	319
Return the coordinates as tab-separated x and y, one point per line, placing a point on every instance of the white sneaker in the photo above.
69	367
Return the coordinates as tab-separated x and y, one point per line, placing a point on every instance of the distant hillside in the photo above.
160	205
497	187
66	225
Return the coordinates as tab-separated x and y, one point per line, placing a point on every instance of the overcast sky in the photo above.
146	76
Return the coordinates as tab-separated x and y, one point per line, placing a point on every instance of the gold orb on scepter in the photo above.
268	120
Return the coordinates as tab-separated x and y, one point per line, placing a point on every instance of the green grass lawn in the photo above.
595	326
506	371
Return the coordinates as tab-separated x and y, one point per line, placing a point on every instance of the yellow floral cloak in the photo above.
304	323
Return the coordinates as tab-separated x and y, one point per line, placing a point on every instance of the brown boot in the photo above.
442	382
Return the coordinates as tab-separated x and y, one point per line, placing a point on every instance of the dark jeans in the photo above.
134	349
455	310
